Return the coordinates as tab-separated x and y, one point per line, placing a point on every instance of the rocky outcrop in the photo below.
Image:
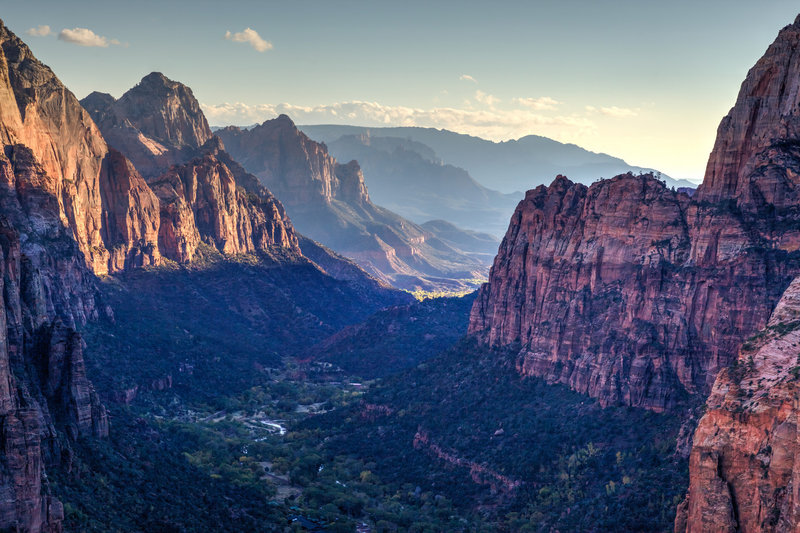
745	463
295	168
479	473
156	124
165	110
203	195
764	120
200	201
628	291
328	201
130	215
744	473
638	295
41	114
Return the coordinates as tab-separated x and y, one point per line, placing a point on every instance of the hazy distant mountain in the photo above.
328	201
509	166
409	178
483	245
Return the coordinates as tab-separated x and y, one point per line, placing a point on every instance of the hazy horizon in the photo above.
602	76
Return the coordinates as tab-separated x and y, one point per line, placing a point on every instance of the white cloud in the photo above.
613	111
486	99
43	30
545	103
85	37
467	77
251	37
495	124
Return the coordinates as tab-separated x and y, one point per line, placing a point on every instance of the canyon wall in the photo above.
639	295
745	462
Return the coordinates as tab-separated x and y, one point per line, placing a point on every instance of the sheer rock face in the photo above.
745	463
200	201
203	195
295	168
47	290
744	468
156	124
37	111
766	116
628	291
166	110
638	295
130	214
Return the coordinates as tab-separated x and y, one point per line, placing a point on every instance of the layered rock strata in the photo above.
200	201
203	194
626	290
89	182
47	292
745	463
743	466
156	124
638	295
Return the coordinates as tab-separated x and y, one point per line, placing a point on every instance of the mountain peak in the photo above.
765	115
156	78
166	111
282	120
97	102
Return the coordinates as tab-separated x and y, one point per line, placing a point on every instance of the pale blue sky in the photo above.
644	80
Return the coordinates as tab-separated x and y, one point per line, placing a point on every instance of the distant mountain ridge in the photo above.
73	209
329	202
204	194
409	178
507	166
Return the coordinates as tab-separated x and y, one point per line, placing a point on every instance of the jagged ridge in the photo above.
328	201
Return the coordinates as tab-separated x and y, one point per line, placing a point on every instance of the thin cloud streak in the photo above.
494	124
545	103
613	111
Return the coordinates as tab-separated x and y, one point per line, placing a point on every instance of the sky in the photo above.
647	81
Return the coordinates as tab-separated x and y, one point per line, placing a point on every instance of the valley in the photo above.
355	328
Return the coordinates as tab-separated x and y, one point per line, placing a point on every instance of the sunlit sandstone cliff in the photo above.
44	393
87	180
159	126
72	208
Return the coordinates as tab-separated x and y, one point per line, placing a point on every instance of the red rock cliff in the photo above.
744	468
626	290
765	116
40	113
156	124
295	168
745	463
200	201
202	193
328	202
47	291
638	295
